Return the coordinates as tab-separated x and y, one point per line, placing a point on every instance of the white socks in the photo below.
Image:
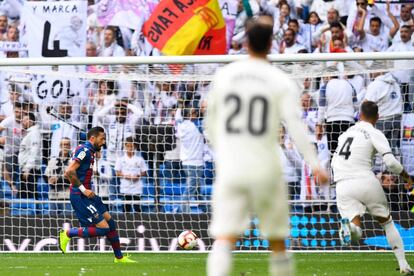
281	264
356	232
395	241
219	260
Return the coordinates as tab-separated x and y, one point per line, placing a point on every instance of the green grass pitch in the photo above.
84	264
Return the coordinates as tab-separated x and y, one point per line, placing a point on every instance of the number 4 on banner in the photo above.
56	51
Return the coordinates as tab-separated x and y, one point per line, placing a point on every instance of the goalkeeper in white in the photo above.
357	188
246	105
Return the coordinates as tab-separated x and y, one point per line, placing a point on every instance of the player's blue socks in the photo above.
113	237
86	232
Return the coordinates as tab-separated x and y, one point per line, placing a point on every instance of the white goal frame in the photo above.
223	59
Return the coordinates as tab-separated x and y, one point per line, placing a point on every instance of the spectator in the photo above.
375	40
130	168
92	51
189	96
337	105
281	17
398	200
165	99
3	25
300	38
323	7
309	115
386	93
312	24
118	127
325	38
404	76
12	135
110	47
58	184
30	155
289	44
172	163
405	19
63	123
355	16
15	95
338	46
104	97
191	154
12	35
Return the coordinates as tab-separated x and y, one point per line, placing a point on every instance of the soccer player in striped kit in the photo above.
92	214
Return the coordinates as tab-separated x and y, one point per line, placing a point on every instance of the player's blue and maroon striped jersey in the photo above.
85	156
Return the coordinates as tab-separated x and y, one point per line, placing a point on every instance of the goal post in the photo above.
139	174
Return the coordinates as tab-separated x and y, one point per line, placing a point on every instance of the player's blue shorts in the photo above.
88	210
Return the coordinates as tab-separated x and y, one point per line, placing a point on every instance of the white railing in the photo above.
203	59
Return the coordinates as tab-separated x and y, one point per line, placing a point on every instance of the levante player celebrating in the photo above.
93	216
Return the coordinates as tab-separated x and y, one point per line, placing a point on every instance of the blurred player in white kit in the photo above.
248	101
357	188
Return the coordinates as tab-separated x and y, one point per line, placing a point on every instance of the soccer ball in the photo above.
187	240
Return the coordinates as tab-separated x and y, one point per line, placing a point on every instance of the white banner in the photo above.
51	89
10	46
55	29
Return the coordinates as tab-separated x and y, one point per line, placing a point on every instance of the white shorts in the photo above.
356	196
235	203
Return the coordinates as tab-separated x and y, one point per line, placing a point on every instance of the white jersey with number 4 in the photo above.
248	101
356	149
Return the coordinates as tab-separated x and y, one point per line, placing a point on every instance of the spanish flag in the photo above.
186	27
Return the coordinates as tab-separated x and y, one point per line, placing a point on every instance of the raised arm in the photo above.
290	111
100	115
396	25
360	26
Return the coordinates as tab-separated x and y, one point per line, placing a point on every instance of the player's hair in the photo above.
112	29
294	21
129	139
313	13
95	131
369	109
336	24
18	105
32	117
376	19
405	27
259	33
290	30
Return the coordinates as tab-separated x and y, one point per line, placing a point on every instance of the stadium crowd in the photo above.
37	140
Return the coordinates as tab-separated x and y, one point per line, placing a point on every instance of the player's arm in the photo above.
211	117
382	146
321	112
70	174
290	111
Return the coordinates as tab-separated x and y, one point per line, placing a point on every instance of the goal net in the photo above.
47	109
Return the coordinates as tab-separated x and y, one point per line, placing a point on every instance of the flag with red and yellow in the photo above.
187	27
